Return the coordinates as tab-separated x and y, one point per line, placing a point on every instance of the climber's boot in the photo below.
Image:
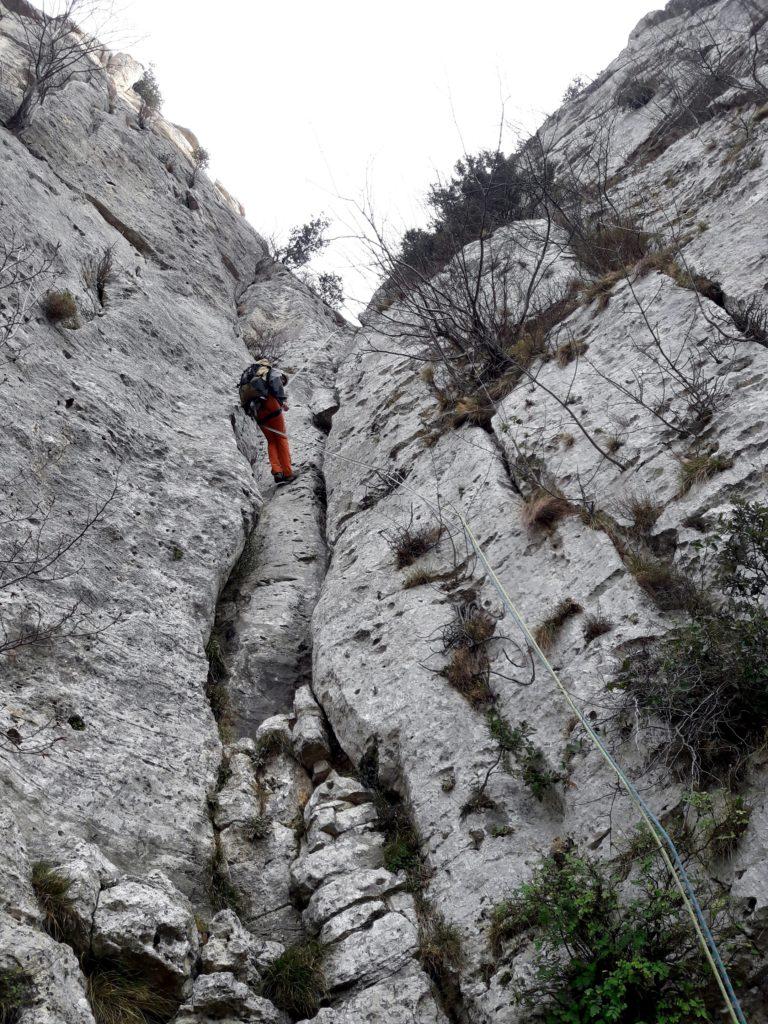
285	479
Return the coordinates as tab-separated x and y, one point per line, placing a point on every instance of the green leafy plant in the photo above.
295	981
707	679
599	958
16	990
148	89
515	743
52	892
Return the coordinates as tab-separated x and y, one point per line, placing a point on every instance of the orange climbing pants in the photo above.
271	416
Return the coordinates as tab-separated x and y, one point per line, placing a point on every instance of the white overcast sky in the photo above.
302	101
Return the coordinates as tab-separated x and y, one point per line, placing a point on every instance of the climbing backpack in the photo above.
254	384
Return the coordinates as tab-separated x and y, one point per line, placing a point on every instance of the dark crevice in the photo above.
139	243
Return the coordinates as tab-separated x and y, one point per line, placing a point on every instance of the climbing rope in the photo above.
663	840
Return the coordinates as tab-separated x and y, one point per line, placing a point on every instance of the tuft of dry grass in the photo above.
543	510
422	577
118	996
697	468
601	289
596	624
468	672
643	511
547	632
569	351
663	582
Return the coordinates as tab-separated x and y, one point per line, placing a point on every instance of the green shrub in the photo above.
722	819
16	991
148	89
52	892
60	308
304	242
221	892
295	981
707	679
119	996
599	959
515	742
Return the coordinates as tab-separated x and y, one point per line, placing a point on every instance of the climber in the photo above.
262	395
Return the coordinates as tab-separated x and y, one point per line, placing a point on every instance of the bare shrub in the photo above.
98	272
467	638
410	542
608	244
56	51
22	273
635	93
35	556
750	316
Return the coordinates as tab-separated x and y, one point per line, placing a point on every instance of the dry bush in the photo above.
596	624
635	93
411	542
663	582
542	510
750	317
468	672
98	272
60	308
548	631
612	244
641	509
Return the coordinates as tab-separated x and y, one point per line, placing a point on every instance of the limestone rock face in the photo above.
147	922
228	726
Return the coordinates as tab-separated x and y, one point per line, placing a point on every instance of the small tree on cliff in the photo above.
56	51
304	242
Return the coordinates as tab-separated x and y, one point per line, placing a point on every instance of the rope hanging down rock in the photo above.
664	842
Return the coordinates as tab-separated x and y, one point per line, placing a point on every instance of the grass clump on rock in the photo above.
52	892
548	631
120	996
16	992
295	981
